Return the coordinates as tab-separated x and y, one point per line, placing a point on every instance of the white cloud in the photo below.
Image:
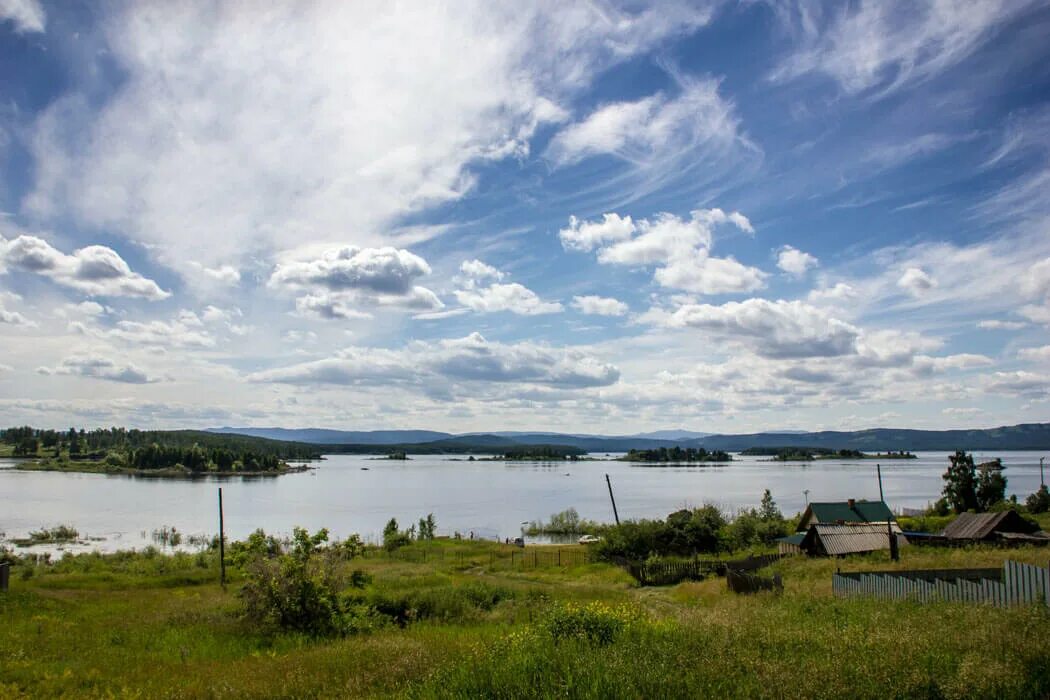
185	331
98	367
1039	354
1035	313
95	270
223	274
1036	280
477	270
776	329
599	306
1018	383
680	246
344	279
588	235
886	43
511	297
219	146
471	359
12	318
26	15
651	127
996	324
916	282
794	261
840	292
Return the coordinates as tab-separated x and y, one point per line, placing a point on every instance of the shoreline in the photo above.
98	468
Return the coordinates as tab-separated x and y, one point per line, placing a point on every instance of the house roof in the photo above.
979	526
846	512
835	539
795	539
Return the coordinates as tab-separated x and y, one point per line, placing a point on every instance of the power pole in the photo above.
612	498
222	545
1042	477
894	552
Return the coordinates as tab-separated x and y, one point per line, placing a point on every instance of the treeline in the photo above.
552	452
785	454
677	454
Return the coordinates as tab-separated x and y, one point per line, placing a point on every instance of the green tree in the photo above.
1038	502
960	483
991	484
768	509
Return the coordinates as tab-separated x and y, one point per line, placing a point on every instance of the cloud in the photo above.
651	127
884	44
599	306
1019	383
12	318
996	324
775	329
1039	354
26	15
223	274
344	279
1036	280
838	293
916	282
217	146
588	235
1035	313
98	367
680	246
511	297
794	261
95	270
477	270
471	359
185	331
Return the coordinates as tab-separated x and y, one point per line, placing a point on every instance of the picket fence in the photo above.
1015	584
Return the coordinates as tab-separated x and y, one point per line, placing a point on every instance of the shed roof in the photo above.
835	539
846	512
979	526
795	539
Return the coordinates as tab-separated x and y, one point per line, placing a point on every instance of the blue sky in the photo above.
721	216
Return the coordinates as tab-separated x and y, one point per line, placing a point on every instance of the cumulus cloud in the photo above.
599	306
886	43
512	297
97	367
12	318
794	262
344	279
840	292
1020	383
1038	354
223	274
916	282
184	331
477	270
95	270
470	359
652	126
1035	283
679	247
775	329
214	144
27	16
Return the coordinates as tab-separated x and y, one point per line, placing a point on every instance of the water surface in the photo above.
355	493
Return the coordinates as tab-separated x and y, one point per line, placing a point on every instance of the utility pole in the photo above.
1042	477
805	492
613	499
894	552
222	545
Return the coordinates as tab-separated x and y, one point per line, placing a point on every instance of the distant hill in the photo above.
1028	436
321	436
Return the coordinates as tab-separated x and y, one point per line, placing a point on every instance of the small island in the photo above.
809	454
155	453
677	455
542	453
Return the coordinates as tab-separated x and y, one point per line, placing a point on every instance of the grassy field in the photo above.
471	625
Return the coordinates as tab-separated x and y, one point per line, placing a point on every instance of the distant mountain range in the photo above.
1027	436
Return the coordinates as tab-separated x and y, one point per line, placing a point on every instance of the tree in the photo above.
768	510
960	483
991	484
1039	502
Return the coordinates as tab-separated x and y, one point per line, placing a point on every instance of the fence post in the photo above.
5	575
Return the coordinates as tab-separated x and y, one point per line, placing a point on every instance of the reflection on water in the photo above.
489	498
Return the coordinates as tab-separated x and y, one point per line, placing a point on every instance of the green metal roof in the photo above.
861	512
795	539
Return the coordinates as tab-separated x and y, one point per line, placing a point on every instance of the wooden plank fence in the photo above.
1015	584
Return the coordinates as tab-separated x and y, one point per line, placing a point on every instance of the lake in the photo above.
355	493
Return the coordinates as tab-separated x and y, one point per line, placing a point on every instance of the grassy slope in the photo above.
161	627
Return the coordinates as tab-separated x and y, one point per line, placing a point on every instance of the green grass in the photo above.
470	625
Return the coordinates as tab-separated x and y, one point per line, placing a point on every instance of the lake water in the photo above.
490	499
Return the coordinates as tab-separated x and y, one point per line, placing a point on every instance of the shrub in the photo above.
302	591
596	622
1039	502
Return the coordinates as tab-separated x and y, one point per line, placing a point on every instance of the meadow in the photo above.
459	619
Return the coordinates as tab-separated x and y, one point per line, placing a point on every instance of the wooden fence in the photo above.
497	557
743	582
1015	584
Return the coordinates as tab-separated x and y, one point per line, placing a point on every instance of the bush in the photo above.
1038	502
302	591
596	622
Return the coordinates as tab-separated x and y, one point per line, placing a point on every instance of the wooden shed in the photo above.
987	527
841	539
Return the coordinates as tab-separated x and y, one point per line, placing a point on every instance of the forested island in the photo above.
543	453
808	454
151	452
676	455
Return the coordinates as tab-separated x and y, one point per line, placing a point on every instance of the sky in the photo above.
568	216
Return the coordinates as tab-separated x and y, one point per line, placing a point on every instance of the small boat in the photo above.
364	469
